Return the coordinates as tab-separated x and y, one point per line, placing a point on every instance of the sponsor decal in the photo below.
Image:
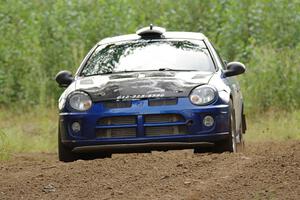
140	96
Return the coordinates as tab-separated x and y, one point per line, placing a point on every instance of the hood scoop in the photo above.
121	76
160	74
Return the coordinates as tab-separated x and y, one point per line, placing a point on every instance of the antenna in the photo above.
151	26
151	32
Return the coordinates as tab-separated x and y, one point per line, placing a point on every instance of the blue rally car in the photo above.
153	90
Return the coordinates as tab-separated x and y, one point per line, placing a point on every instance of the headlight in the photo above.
80	101
203	95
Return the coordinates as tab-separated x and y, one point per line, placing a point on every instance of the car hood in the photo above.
139	85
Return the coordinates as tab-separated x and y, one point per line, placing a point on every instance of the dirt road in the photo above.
264	171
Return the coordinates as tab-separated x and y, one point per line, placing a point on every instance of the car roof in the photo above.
166	35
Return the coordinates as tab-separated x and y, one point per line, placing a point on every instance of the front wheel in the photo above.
231	143
64	153
241	141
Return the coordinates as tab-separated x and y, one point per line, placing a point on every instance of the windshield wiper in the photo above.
132	71
117	72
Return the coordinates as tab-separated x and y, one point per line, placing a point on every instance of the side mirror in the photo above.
64	78
234	68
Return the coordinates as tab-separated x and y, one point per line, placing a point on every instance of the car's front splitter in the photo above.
166	144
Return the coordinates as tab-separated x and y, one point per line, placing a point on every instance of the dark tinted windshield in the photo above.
144	55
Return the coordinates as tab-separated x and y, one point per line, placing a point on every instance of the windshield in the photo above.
148	55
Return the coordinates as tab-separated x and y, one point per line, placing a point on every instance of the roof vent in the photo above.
151	32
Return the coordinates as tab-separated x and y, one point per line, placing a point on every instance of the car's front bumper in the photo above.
194	132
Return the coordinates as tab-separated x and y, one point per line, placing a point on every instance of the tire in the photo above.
64	153
241	144
230	143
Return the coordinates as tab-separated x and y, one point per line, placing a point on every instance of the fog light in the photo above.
208	120
76	127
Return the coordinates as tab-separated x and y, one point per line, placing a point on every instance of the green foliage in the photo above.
273	79
39	38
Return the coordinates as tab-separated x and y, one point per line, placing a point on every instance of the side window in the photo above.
218	57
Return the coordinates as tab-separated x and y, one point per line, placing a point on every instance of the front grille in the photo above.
117	120
117	104
111	126
116	132
165	130
162	102
163	118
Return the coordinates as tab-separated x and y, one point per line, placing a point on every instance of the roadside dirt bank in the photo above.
267	170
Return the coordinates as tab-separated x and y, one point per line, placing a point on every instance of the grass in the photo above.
27	131
274	125
36	130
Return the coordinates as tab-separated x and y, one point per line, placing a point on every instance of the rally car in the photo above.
152	90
